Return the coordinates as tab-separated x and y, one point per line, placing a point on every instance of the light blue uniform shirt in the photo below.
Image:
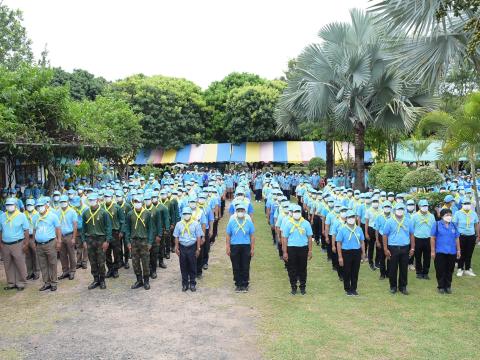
66	220
371	216
461	218
422	224
32	218
45	227
181	232
240	231
330	220
380	222
13	230
297	235
398	233
350	239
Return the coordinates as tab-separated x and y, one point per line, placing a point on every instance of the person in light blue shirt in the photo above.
33	267
188	240
297	248
466	220
240	247
68	224
422	223
397	240
350	252
13	243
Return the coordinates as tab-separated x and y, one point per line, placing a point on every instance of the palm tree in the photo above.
350	78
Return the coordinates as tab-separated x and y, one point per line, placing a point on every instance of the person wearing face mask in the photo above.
96	235
334	228
240	246
410	211
68	223
82	253
199	215
448	203
297	249
445	245
391	198
398	244
113	255
379	225
422	223
282	215
188	234
174	218
124	208
56	200
161	220
350	252
205	248
14	236
155	249
327	210
139	233
466	221
48	238
31	259
370	230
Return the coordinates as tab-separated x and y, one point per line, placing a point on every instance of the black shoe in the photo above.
127	265
193	288
109	274
45	287
419	276
63	276
84	266
94	284
115	274
103	286
53	288
448	290
146	283
35	277
71	276
372	267
404	291
294	291
238	289
340	278
382	277
205	267
348	293
29	277
172	250
199	276
138	283
426	277
79	266
441	291
355	293
167	255
245	289
20	288
184	288
393	290
153	275
303	291
162	265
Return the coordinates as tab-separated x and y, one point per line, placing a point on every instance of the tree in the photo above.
14	43
250	113
423	178
82	84
350	78
172	111
216	97
390	177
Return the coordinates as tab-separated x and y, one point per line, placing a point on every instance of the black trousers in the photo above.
467	245
398	266
286	193
222	207
240	257
422	255
444	267
316	228
188	264
206	250
371	245
335	262
351	268
214	232
200	258
114	252
381	259
329	251
297	265
258	194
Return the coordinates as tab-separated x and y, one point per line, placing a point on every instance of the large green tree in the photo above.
82	84
350	78
173	112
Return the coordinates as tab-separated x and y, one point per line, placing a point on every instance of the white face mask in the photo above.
71	196
193	206
424	208
447	218
242	197
125	191
163	196
137	205
10	208
63	205
148	202
92	203
297	215
56	198
108	200
343	214
351	221
119	199
399	212
467	207
411	207
357	197
30	208
201	201
375	205
399	201
41	209
387	210
241	214
187	217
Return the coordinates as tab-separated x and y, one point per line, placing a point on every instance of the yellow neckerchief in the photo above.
92	215
30	217
62	213
139	217
12	217
241	226
107	209
79	211
467	216
42	217
296	225
445	207
198	214
186	227
375	211
160	201
121	206
424	219
149	209
353	232
399	224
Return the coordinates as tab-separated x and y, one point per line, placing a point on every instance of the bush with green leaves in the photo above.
390	177
316	163
434	199
373	172
423	177
150	169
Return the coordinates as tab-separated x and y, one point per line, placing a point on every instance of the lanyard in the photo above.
11	218
42	217
62	214
92	216
399	224
79	212
139	217
30	216
241	226
108	209
424	219
297	226
353	232
186	227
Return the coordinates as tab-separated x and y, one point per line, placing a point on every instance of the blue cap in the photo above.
11	201
138	198
240	206
109	193
71	192
30	202
41	201
400	206
296	208
448	198
92	196
64	198
56	193
186	210
350	213
423	202
119	193
387	204
147	195
410	202
466	201
76	201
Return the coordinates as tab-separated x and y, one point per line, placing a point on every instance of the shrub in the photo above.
390	177
316	163
373	172
150	169
434	199
423	177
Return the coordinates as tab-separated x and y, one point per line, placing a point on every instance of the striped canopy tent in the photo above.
278	151
345	150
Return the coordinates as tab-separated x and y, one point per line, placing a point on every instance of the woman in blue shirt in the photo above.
445	245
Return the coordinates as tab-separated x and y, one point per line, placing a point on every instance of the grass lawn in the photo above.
326	324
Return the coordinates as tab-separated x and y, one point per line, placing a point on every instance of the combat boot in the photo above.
94	283
103	286
162	265
146	283
138	283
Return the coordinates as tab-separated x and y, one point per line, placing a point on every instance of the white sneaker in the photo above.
411	267
470	272
459	272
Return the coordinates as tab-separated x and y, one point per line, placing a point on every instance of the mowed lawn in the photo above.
326	324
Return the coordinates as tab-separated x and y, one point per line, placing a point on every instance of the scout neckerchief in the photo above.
12	217
467	216
62	213
424	219
107	209
150	208
122	205
30	216
296	225
197	214
42	217
186	227
353	232
241	226
139	217
79	211
400	223
92	215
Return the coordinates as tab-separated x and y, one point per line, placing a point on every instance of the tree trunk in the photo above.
473	157
330	159
359	157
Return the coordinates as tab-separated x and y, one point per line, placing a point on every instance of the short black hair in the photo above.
444	212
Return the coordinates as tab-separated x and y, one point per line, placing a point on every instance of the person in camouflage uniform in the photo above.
164	208
161	220
117	216
139	232
96	235
125	208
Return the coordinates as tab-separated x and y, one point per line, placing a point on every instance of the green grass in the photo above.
325	324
